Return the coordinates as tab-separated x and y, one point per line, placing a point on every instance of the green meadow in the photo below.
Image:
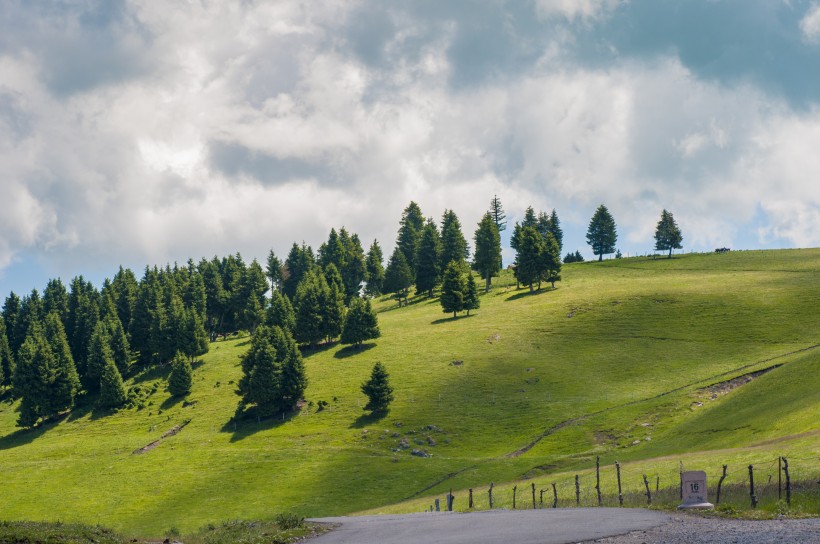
618	362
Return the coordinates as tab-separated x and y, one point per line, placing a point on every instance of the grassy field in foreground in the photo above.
529	386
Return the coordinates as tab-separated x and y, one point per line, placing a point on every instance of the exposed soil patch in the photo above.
155	443
721	388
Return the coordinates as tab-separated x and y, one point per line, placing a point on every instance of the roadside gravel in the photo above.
693	529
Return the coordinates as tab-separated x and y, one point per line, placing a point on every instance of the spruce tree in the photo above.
34	378
181	378
556	230
471	300
354	269
667	234
332	302
280	312
428	268
452	289
292	377
6	358
412	221
99	353
551	260
66	384
601	233
120	349
378	391
398	277
11	310
375	270
530	257
497	214
299	262
112	389
487	258
361	323
307	303
454	246
194	341
275	271
55	299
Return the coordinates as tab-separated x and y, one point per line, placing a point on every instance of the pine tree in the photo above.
361	323
112	390
454	246
375	270
471	300
551	260
99	353
280	312
530	256
11	310
194	341
55	299
452	289
332	302
667	234
398	277
299	262
275	271
292	377
181	378
34	377
487	258
412	221
556	230
378	391
497	214
120	349
66	382
601	234
354	269
6	358
428	271
308	308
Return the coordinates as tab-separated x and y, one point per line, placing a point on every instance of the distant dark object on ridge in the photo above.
722	250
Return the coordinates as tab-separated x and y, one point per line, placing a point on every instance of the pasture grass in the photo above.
529	385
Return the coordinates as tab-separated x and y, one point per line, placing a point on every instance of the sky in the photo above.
147	132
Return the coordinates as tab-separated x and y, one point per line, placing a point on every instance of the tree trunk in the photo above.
454	315
487	284
670	252
600	257
530	288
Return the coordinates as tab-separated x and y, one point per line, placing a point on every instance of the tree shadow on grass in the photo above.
319	348
247	424
350	351
171	401
368	419
451	319
21	437
152	373
527	293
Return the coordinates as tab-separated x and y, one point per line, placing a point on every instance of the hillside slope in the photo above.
529	384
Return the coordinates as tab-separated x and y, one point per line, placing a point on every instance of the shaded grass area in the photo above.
617	345
26	532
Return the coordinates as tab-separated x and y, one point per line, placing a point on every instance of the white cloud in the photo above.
810	24
576	9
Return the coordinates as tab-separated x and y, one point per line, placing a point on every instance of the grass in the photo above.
557	377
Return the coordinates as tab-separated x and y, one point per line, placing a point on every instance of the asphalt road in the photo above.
494	526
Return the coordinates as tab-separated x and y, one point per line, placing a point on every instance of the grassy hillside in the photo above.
532	385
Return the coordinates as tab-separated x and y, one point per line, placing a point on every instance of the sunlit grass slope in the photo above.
530	385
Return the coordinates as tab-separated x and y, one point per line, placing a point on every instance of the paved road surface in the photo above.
490	527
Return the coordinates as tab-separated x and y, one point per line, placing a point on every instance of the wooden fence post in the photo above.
471	498
752	486
515	488
577	491
533	495
648	491
720	483
490	492
450	500
598	479
554	496
788	482
620	492
779	478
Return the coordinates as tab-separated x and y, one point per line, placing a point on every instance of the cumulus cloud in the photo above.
247	127
810	24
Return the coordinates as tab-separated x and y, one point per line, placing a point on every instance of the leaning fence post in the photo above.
752	486
779	478
720	483
450	499
620	492
515	489
533	495
648	491
554	496
788	482
577	491
598	479
471	497
490	492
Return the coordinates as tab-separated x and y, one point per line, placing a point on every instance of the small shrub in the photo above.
289	520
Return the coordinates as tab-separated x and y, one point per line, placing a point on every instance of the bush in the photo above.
289	520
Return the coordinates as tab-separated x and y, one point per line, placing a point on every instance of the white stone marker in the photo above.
694	490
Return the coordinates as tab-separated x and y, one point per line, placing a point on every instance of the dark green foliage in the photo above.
273	373
66	382
601	234
497	214
83	315
530	256
112	390
181	378
428	269
280	312
28	532
11	310
574	257
398	277
333	277
31	312
556	230
6	358
215	297
34	377
124	289
332	251
360	323
551	260
299	262
193	339
354	271
118	340
55	299
375	270
412	221
98	356
471	300
452	289
307	302
378	391
332	302
195	295
667	234
487	258
454	246
275	271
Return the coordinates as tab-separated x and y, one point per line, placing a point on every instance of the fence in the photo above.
780	484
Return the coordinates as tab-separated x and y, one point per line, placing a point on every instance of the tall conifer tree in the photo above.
375	270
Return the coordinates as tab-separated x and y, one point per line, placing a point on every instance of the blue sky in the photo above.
147	132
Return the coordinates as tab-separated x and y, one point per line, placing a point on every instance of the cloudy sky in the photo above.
148	131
